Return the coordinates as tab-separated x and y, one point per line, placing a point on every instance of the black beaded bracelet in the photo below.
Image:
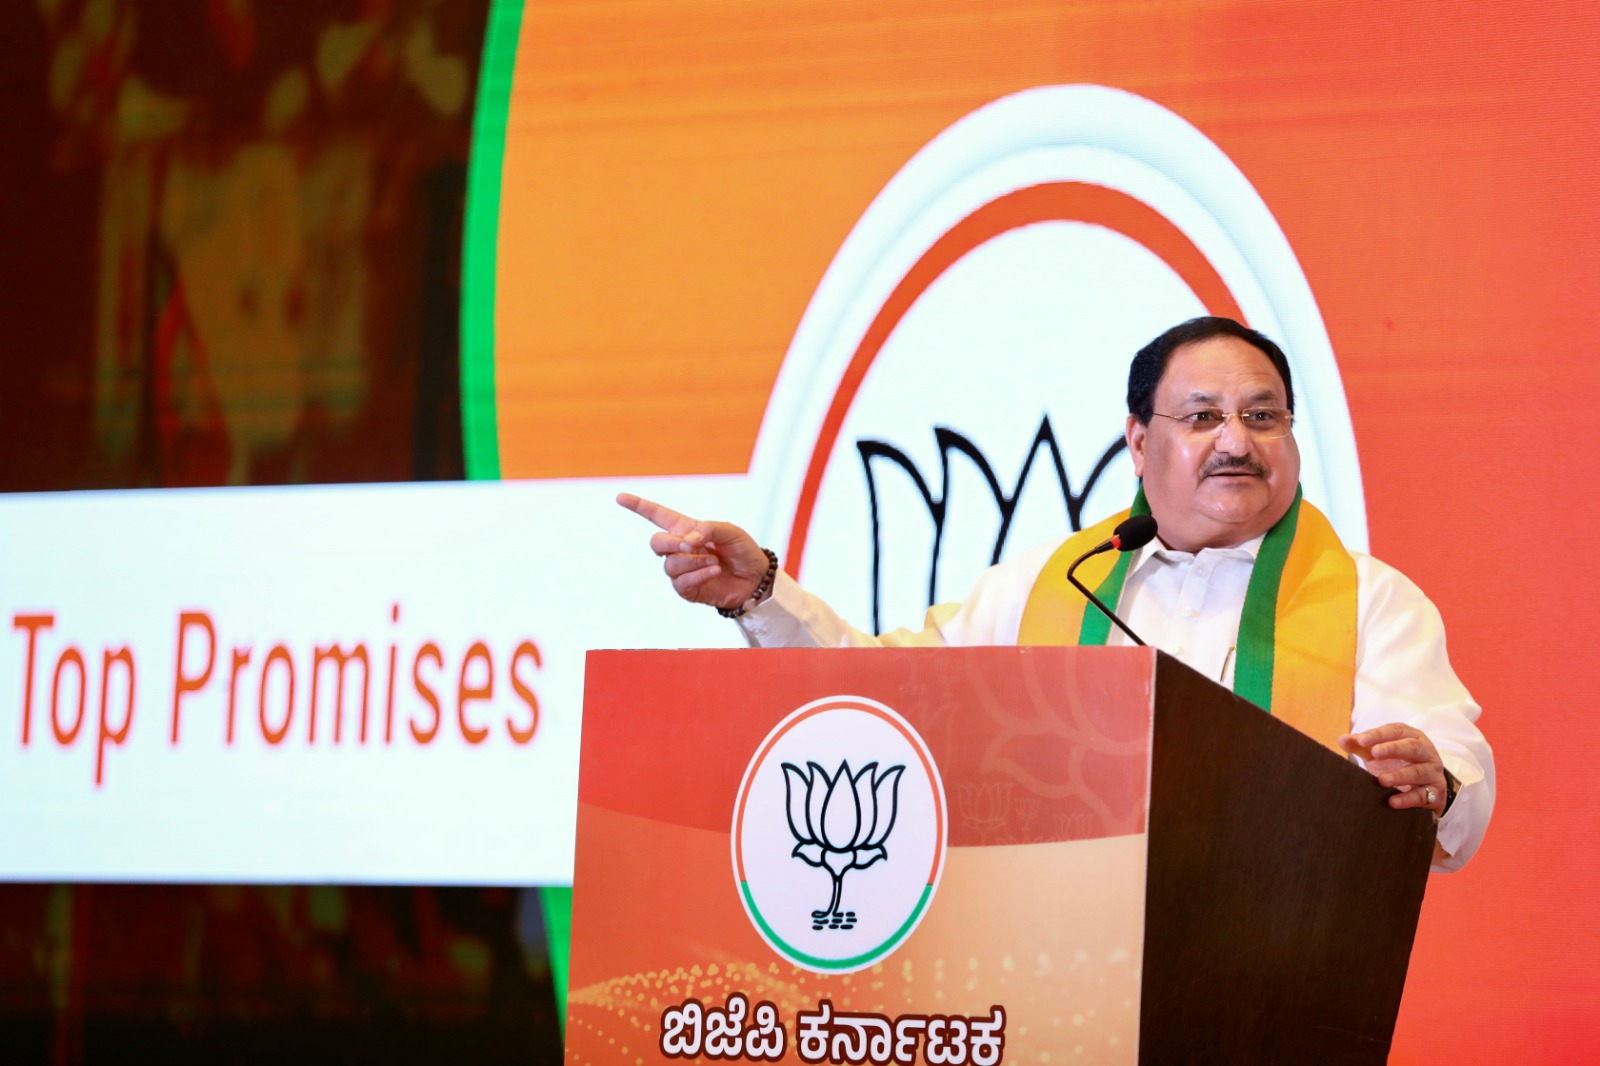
761	589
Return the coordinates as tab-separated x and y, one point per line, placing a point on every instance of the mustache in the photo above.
1242	463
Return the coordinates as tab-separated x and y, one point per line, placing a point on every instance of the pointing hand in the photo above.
713	563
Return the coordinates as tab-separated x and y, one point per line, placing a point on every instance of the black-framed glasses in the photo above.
1262	423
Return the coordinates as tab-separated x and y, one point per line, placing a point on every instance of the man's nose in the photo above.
1233	438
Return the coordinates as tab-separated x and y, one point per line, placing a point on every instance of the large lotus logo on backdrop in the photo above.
962	364
869	841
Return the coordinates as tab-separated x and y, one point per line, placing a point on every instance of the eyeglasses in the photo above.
1262	423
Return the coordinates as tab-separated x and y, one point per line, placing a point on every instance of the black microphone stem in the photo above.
1096	600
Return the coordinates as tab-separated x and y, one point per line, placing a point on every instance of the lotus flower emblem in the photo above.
880	458
840	823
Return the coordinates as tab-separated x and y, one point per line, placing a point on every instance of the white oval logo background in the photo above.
886	899
1003	278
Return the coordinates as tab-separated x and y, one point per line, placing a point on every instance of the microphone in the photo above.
1130	535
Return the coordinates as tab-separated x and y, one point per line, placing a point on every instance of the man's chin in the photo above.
1240	510
1241	495
1249	508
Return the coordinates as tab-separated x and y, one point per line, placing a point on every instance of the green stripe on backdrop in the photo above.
479	421
556	903
479	427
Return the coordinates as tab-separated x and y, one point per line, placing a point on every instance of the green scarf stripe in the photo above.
1258	623
1096	627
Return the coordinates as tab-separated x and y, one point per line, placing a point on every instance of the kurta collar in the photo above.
1157	552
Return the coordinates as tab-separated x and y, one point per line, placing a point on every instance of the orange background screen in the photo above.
679	175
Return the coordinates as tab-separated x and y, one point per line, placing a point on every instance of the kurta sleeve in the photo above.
991	614
1403	674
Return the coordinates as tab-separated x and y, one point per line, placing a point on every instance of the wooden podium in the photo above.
1117	860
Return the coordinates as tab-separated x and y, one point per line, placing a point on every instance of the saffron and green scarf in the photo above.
1296	649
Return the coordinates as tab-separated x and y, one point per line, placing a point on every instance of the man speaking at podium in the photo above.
1246	583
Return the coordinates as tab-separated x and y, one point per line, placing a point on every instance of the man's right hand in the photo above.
709	562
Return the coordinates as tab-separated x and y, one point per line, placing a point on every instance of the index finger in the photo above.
662	516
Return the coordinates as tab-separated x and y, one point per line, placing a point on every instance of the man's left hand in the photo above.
1402	757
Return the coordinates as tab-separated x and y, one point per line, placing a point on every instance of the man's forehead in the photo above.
1261	394
1203	370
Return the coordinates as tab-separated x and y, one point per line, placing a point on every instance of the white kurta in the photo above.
1188	605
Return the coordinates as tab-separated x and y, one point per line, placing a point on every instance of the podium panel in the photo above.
963	856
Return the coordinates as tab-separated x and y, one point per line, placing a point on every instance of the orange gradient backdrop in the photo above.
678	175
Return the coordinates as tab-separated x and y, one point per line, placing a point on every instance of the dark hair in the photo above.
1147	368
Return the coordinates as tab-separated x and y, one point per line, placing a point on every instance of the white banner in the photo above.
355	684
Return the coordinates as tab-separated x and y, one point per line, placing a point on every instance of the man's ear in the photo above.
1134	433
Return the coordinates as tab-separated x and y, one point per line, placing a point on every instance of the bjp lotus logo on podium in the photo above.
874	835
841	824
